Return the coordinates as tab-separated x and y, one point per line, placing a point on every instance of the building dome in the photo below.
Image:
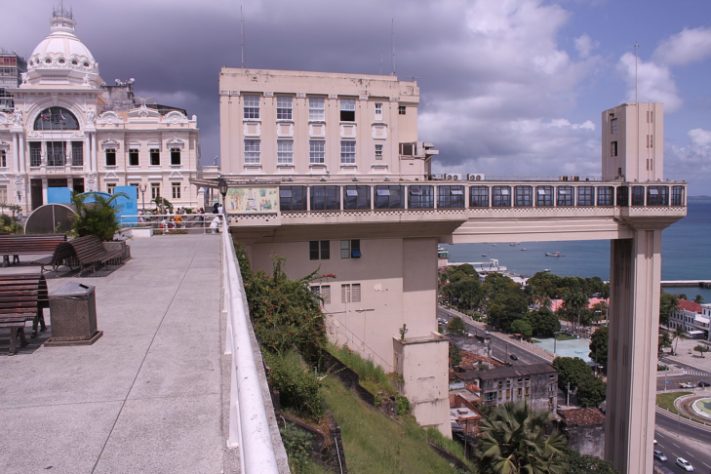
61	57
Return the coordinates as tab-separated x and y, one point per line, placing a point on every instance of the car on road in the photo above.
513	357
703	383
659	455
686	385
684	464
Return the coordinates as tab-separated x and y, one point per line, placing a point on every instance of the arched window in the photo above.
56	118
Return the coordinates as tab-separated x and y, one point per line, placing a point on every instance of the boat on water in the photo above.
442	252
553	254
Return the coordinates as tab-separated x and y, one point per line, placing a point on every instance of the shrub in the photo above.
298	387
297	443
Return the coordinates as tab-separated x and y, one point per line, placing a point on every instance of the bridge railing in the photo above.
249	404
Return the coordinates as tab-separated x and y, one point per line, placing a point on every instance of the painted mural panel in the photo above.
252	200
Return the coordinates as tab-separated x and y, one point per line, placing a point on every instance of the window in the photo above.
285	152
77	153
623	196
284	107
322	292
110	188
613	148
420	197
56	153
319	250
35	153
348	110
501	196
650	116
613	125
565	196
155	156
325	197
3	194
479	196
450	197
605	195
350	248
175	156
251	152
650	141
378	111
56	118
155	190
175	188
110	157
348	152
544	196
658	196
317	152
350	293
677	197
378	151
133	157
251	107
3	160
638	195
317	111
523	196
356	197
389	197
401	110
292	198
586	196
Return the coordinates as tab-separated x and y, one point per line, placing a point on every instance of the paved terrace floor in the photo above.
147	397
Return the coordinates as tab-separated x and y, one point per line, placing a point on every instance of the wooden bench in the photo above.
84	252
28	244
22	298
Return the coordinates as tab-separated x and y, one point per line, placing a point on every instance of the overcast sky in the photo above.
510	88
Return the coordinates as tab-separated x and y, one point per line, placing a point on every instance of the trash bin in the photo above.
73	315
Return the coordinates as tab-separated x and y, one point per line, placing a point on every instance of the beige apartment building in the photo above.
68	128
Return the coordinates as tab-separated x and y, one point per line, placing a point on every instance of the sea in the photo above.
686	253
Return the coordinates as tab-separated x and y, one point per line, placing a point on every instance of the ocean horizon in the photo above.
685	253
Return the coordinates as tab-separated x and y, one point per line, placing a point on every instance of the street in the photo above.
676	438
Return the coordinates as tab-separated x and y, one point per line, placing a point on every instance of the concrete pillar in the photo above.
632	358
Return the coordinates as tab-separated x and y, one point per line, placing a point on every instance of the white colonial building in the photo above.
692	318
70	129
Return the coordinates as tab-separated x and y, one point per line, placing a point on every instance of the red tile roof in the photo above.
582	417
689	306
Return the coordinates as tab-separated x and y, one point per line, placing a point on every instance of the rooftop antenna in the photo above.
392	44
241	21
636	59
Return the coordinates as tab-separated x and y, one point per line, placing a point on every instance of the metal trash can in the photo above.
73	315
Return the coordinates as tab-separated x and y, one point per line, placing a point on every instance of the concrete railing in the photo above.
249	427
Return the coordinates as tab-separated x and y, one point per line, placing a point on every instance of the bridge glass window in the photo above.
544	196
56	118
450	197
420	197
501	196
356	197
586	195
623	196
638	195
605	196
292	198
479	196
564	196
523	196
388	197
325	197
677	196
658	196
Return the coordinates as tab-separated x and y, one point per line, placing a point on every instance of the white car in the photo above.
659	455
684	464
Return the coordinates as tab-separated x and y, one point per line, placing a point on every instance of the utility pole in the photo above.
567	395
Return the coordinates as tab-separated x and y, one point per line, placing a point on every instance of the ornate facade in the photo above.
70	129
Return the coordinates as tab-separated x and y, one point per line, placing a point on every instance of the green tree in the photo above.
598	347
582	464
513	439
664	341
575	302
590	390
460	287
455	327
667	304
678	332
523	327
95	218
699	299
700	348
505	301
455	356
543	322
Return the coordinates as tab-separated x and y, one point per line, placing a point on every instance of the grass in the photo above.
565	337
666	400
371	376
376	444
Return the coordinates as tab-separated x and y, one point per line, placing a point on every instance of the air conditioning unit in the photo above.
453	177
475	177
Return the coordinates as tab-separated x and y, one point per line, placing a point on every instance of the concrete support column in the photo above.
632	358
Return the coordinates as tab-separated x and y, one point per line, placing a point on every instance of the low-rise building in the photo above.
585	430
535	384
692	318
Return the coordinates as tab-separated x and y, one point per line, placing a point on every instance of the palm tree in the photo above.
97	217
513	439
678	331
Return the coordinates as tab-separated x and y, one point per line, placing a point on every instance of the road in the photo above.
675	438
693	375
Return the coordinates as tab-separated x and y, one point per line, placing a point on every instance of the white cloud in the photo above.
584	44
700	137
688	46
653	82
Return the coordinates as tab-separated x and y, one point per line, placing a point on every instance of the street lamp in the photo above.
143	187
222	186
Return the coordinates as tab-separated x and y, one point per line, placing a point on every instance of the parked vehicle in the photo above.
659	455
513	357
684	464
703	383
686	385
